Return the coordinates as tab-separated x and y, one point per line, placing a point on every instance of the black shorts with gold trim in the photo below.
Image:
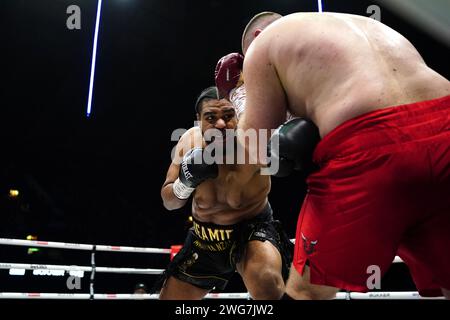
210	252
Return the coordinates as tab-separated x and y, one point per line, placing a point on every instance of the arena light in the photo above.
32	250
94	57
13	193
319	6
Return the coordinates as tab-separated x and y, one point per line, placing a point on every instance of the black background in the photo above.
97	179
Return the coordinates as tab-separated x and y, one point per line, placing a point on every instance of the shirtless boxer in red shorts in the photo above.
383	182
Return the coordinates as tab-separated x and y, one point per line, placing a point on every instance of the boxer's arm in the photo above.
170	201
265	108
186	142
265	105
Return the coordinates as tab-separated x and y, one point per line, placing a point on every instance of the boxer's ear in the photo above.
257	32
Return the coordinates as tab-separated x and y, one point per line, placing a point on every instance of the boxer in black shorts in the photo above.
229	233
210	253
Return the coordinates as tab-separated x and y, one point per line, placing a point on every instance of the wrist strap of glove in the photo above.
181	191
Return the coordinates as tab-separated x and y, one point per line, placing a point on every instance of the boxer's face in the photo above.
218	114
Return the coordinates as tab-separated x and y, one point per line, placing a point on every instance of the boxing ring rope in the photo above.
89	247
79	246
408	295
78	268
108	296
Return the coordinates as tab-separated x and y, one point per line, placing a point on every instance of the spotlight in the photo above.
13	193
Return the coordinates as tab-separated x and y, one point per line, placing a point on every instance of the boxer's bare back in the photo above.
331	67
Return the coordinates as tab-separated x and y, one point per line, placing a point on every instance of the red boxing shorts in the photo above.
383	188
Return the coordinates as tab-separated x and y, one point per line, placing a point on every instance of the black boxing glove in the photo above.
193	171
297	139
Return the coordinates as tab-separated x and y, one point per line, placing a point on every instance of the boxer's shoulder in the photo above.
190	139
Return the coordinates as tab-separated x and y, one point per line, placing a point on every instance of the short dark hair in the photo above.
261	20
207	94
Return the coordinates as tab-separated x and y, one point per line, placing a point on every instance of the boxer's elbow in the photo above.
171	205
170	201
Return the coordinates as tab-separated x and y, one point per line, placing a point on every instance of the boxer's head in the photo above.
215	113
255	26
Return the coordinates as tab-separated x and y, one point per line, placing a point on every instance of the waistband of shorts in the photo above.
383	127
212	232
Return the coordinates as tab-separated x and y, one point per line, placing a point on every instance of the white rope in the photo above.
79	246
107	296
408	295
81	296
26	266
242	295
77	296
